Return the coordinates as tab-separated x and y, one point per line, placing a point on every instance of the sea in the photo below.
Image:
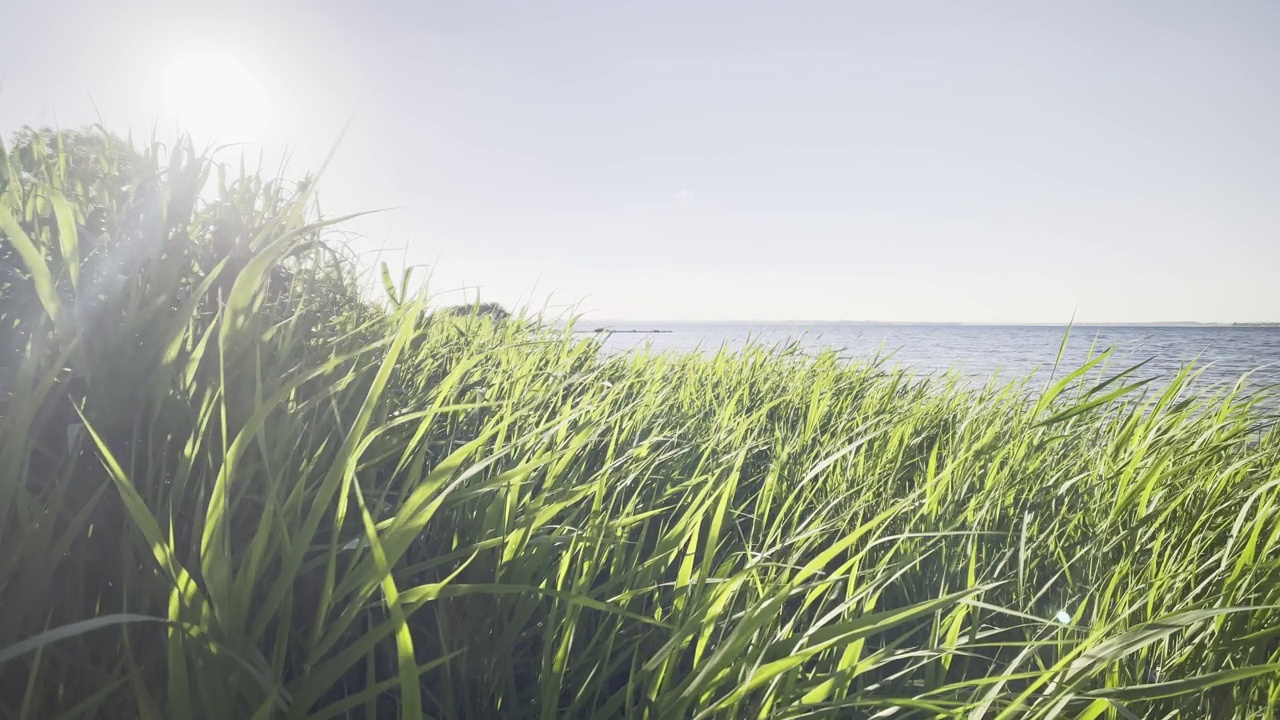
980	353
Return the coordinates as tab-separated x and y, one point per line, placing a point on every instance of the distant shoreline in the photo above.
623	332
884	323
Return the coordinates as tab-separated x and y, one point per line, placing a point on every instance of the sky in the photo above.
710	160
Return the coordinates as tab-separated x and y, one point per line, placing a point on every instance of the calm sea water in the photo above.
980	352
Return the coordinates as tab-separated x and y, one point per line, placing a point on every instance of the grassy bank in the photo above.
232	488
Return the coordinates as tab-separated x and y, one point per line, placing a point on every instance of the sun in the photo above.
216	98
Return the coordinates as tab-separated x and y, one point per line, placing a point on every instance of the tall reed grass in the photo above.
231	487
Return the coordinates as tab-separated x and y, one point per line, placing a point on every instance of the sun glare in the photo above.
216	99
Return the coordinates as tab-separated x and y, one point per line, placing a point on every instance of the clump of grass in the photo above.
232	487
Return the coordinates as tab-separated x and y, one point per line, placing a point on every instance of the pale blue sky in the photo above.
975	161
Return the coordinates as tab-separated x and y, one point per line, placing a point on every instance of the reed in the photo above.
231	486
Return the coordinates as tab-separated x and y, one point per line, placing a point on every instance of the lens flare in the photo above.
216	98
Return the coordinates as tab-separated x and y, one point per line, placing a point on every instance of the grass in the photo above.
231	487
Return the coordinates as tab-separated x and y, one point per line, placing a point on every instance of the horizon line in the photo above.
1096	323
